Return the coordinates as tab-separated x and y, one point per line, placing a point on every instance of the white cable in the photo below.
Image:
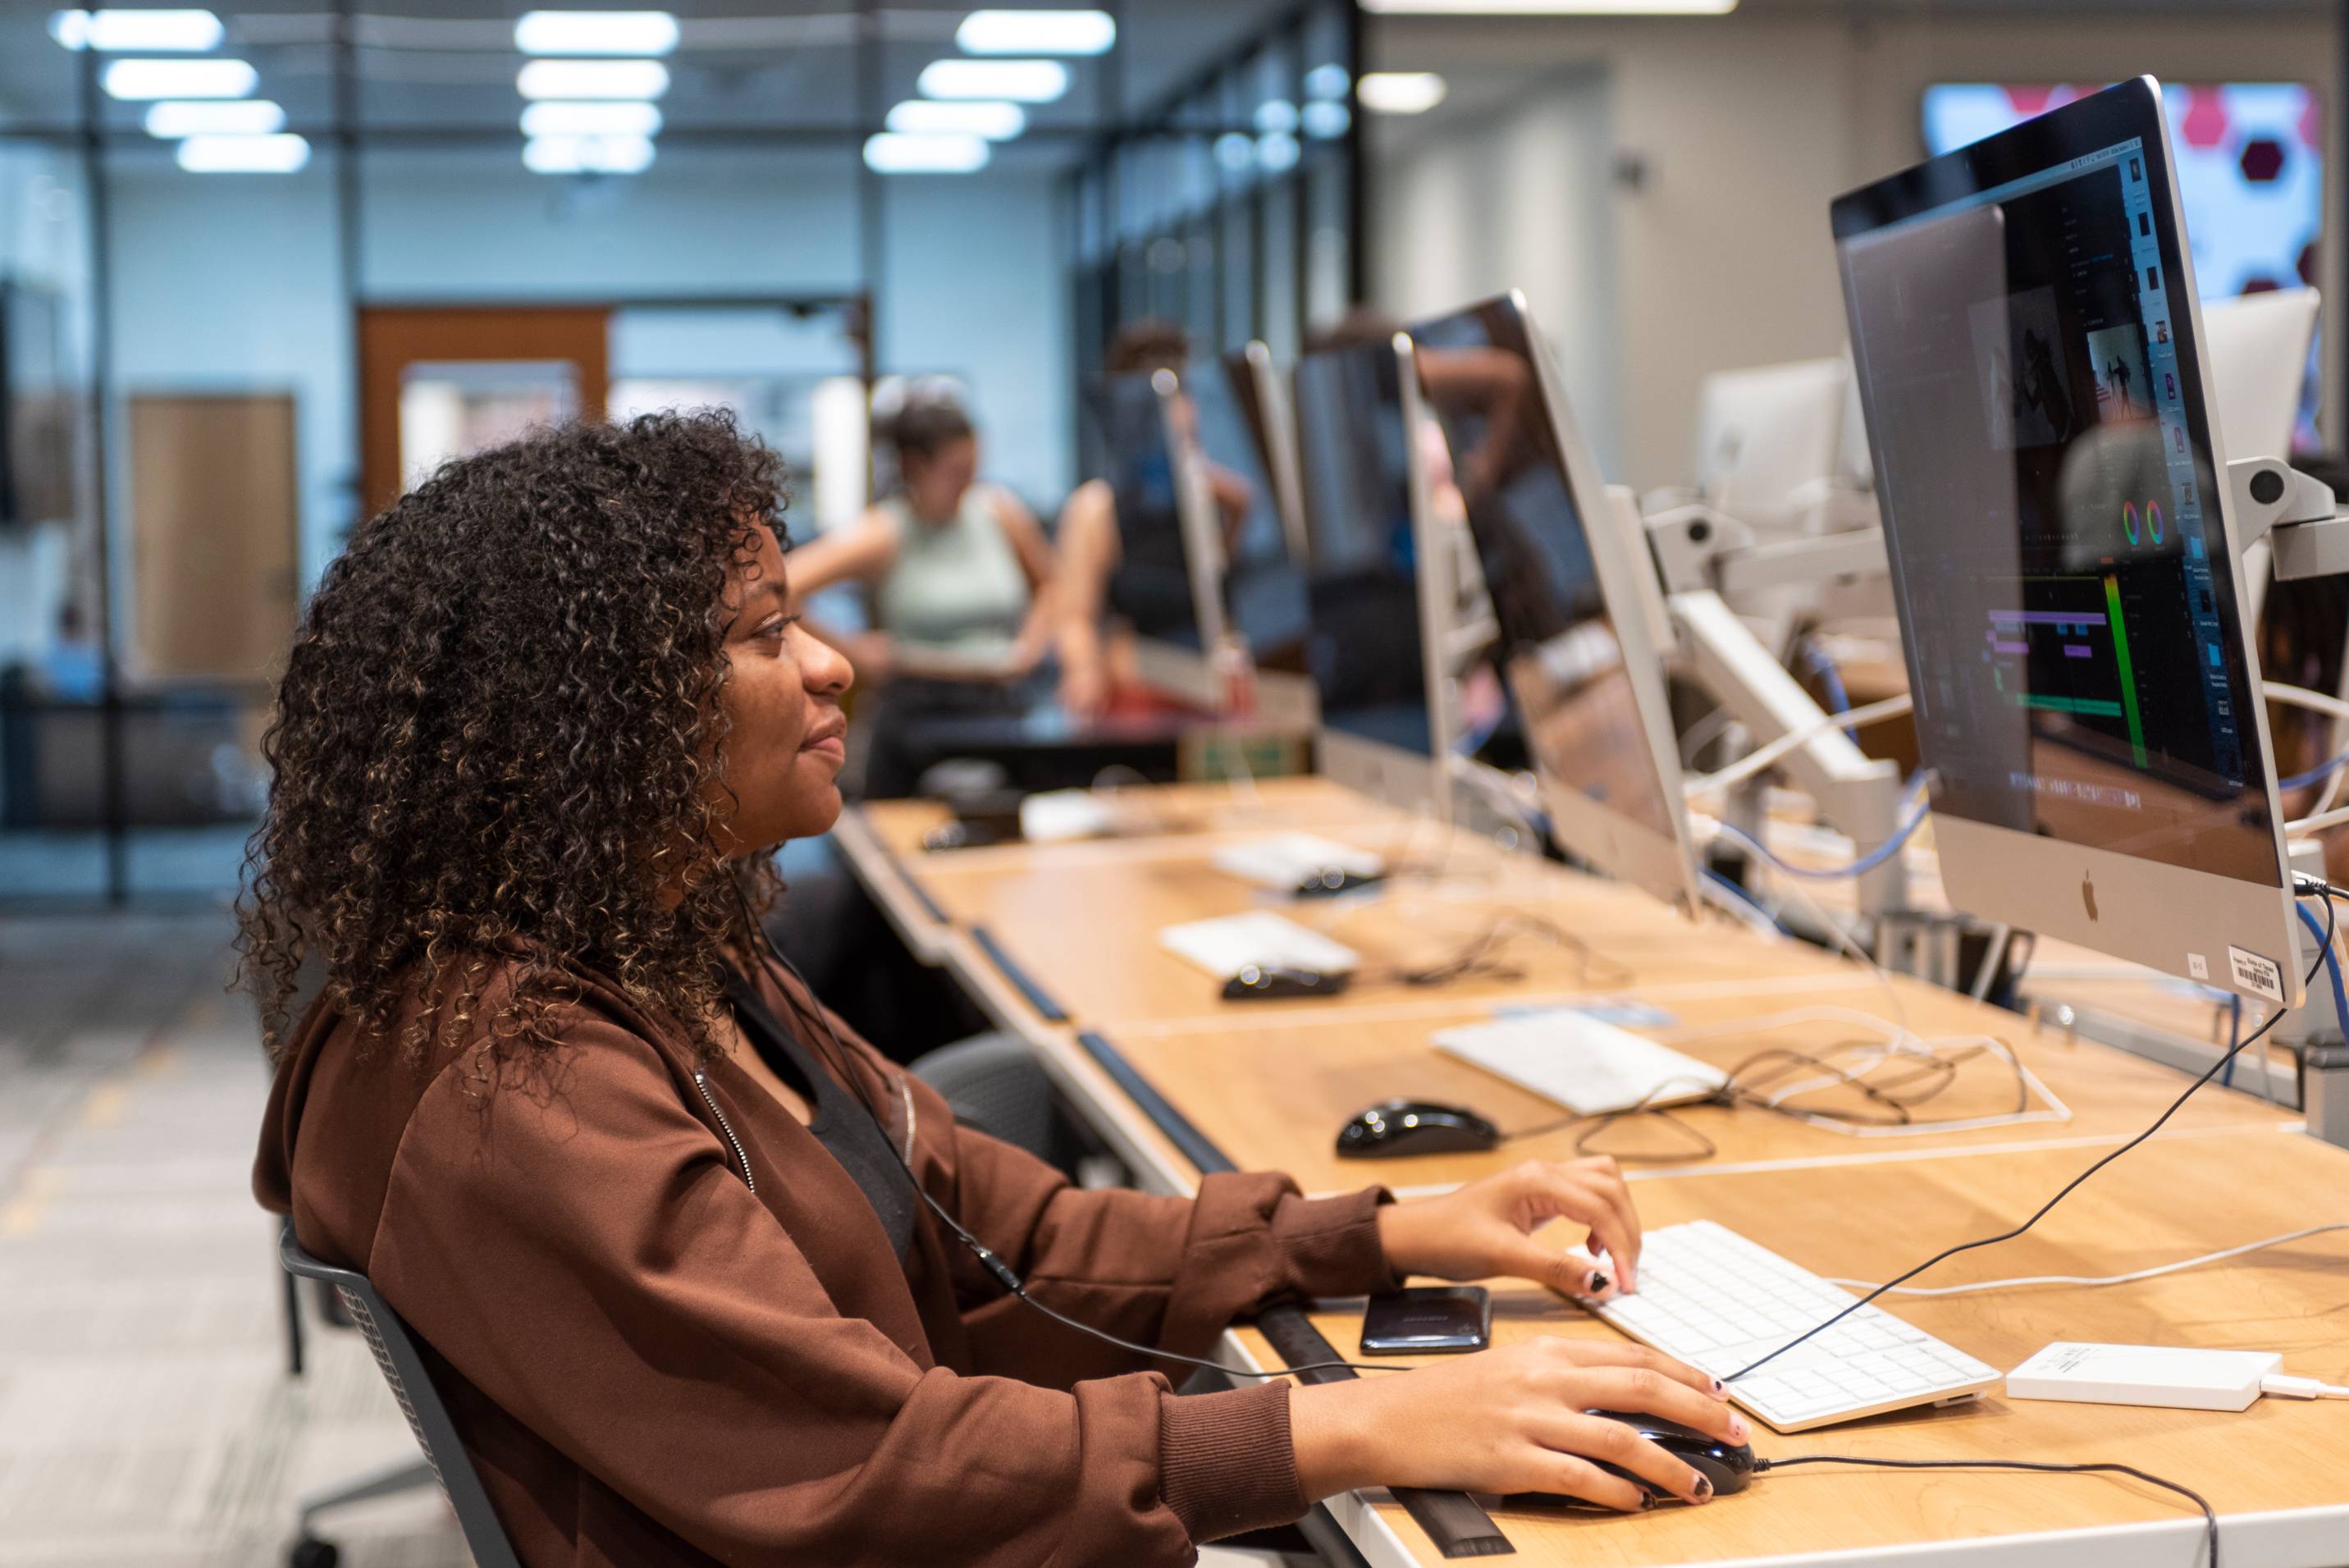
1763	756
2302	697
2154	1272
2300	1388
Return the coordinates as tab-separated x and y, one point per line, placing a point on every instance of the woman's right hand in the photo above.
1509	1420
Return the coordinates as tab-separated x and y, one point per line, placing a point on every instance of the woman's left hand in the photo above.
1486	1228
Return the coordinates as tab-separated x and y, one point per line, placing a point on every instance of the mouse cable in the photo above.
2308	888
2209	1515
2154	1272
1004	1273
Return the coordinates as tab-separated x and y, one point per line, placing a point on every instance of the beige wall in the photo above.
1746	127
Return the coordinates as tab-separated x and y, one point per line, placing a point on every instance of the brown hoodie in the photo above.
658	1355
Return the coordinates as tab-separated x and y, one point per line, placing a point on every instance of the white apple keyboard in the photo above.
1721	1302
1586	1065
1229	943
1286	861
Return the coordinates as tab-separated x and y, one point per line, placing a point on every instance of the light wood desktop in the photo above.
1268	1084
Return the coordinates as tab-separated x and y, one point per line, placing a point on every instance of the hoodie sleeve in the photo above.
587	1258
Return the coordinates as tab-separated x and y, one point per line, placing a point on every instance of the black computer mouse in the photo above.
1332	880
1728	1465
1393	1127
1261	982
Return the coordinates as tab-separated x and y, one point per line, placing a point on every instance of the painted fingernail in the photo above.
1705	1488
1647	1500
1719	1386
1599	1283
1738	1430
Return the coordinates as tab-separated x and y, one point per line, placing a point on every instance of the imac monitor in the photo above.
1767	439
2258	347
1568	592
2024	324
1364	487
1155	587
1263	586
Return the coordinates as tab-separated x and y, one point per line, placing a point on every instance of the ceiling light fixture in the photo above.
1325	120
897	152
593	79
1278	152
142	80
1327	82
995	120
622	117
1275	117
116	32
1036	33
1235	152
1400	92
177	118
587	154
243	154
1550	7
634	33
1021	82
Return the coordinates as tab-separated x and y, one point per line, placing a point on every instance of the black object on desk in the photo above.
1394	1128
1428	1320
1265	982
1728	1465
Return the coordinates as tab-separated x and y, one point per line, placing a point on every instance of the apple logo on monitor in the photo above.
2088	895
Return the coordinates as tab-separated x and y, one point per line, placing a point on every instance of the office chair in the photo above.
444	1460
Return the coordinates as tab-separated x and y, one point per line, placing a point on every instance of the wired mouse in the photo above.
1256	982
1728	1465
1395	1127
1331	880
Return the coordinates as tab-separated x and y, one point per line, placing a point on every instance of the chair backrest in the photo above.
411	1384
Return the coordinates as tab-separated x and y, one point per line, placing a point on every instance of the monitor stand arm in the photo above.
2295	514
1858	794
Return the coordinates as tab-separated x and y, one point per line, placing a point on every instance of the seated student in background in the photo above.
654	1213
966	593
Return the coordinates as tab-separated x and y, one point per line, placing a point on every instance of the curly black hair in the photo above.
496	736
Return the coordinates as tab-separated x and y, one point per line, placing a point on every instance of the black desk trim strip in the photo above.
913	885
1194	1144
1038	997
1455	1522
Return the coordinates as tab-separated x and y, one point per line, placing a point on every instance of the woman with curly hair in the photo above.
684	1253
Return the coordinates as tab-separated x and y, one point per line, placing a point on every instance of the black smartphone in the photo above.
1428	1320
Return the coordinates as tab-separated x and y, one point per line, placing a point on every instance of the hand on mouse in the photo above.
1512	1420
1487	1227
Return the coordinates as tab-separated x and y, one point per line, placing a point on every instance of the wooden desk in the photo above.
1268	1083
2278	1473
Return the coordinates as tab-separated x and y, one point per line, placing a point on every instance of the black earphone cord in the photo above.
1004	1273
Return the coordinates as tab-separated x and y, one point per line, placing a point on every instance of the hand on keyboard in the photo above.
1511	1420
1486	1228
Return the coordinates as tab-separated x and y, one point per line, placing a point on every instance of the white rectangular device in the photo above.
2155	1374
1285	861
1585	1063
1719	1303
1230	943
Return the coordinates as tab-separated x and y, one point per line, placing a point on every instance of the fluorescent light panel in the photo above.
1277	152
1021	82
587	154
621	117
1036	33
157	32
176	117
593	79
995	120
897	152
243	154
1400	92
1327	82
1550	7
636	33
1325	121
142	80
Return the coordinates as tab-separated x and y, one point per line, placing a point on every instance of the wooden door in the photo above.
214	524
393	338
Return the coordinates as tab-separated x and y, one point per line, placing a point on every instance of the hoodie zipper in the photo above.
702	1082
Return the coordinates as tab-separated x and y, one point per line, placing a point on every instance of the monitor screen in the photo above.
1150	589
1264	591
2024	338
1362	588
1560	651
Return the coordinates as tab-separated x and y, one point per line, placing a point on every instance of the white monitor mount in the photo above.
1705	558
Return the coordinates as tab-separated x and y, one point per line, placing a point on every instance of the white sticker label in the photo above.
2197	966
2255	973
